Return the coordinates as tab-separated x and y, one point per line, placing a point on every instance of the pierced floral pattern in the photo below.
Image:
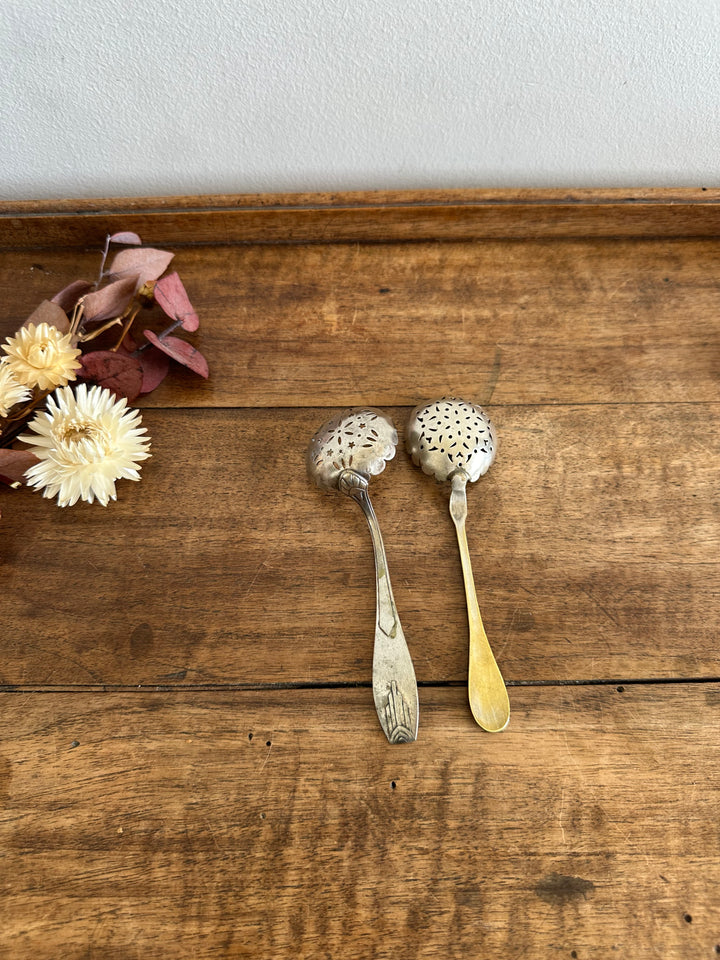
361	440
450	435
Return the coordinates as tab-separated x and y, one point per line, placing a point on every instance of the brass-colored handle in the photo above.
486	688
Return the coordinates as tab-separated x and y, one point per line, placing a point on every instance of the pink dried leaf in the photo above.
14	463
120	373
69	295
50	313
128	237
180	350
109	301
172	297
143	263
155	366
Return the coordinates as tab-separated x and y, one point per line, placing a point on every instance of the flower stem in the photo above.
102	262
76	319
11	425
163	333
126	328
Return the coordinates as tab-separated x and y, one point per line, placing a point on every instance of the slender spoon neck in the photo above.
355	486
458	512
458	498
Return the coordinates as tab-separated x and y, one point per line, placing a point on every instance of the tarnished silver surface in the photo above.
360	440
454	440
343	455
448	435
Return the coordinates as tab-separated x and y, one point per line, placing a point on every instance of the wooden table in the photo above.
190	760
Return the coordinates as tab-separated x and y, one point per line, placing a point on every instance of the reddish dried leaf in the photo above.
14	463
128	345
180	350
144	263
155	366
118	372
109	301
172	297
51	313
69	295
126	237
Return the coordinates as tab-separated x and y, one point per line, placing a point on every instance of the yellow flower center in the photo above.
74	430
41	354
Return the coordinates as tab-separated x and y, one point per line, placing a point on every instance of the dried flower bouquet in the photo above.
83	439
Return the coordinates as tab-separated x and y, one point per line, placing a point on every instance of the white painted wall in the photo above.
158	97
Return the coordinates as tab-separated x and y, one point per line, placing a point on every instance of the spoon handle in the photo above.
486	688
394	685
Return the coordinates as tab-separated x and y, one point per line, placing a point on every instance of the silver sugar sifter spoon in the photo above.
343	455
454	440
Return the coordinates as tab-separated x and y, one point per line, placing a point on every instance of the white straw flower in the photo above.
42	356
11	392
86	441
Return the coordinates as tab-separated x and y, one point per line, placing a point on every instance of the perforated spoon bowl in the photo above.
343	455
454	440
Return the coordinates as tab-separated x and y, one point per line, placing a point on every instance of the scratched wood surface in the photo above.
594	538
277	824
190	761
510	321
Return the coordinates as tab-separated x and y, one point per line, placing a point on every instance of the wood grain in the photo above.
141	825
594	539
375	217
582	321
190	760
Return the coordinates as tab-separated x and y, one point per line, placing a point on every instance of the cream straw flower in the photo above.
42	356
86	441
11	392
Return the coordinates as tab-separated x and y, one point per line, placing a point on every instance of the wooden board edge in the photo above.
359	198
367	217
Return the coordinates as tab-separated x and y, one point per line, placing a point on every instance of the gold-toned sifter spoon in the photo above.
454	440
343	455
